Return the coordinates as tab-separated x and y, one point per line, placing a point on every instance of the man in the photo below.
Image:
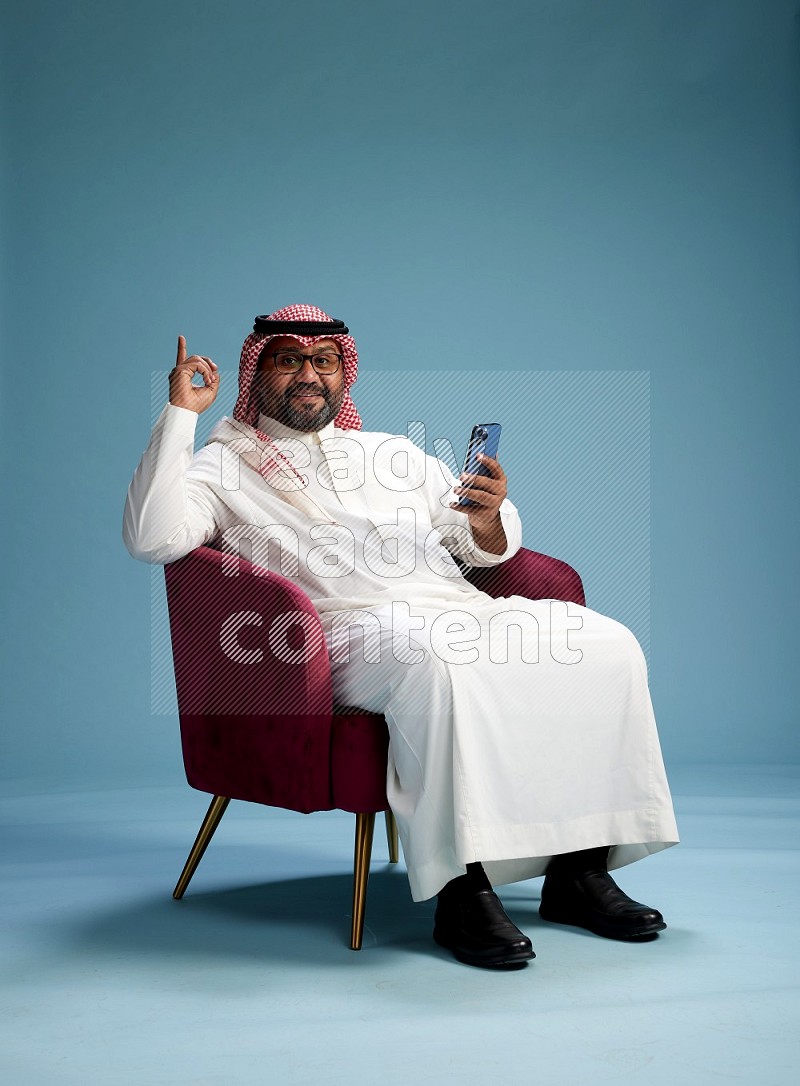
503	765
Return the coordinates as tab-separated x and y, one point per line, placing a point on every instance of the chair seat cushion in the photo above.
359	749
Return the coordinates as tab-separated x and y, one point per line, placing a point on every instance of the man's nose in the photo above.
307	372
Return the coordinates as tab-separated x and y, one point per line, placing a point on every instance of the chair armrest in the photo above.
254	724
532	575
221	627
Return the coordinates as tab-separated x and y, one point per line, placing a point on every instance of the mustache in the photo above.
306	388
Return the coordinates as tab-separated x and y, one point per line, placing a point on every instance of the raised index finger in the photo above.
181	350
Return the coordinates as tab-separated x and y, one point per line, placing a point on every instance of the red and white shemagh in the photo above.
246	409
255	447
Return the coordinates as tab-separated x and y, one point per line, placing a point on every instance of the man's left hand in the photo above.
487	491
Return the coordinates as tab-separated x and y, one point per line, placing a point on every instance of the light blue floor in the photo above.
249	978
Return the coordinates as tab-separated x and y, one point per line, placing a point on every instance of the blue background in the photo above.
500	188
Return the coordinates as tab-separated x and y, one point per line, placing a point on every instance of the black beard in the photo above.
300	418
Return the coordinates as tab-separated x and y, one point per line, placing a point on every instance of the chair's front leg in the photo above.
215	812
365	824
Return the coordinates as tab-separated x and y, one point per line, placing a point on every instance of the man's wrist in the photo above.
490	537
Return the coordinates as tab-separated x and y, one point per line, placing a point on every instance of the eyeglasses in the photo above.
292	362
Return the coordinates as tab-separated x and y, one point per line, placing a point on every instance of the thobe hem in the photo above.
513	861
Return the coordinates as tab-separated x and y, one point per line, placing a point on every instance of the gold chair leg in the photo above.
215	812
365	823
391	838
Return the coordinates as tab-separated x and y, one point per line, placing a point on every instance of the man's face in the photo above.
305	400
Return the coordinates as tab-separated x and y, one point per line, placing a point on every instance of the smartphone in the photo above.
485	438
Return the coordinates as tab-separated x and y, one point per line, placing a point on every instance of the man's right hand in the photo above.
182	393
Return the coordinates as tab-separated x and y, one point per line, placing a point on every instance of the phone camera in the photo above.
483	434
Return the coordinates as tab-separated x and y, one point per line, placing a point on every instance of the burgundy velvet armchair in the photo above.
254	697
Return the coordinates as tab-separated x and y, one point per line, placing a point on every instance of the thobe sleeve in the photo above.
438	489
167	512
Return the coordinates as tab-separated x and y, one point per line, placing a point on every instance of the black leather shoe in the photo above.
592	900
476	928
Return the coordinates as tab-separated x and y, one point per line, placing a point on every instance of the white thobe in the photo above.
518	729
